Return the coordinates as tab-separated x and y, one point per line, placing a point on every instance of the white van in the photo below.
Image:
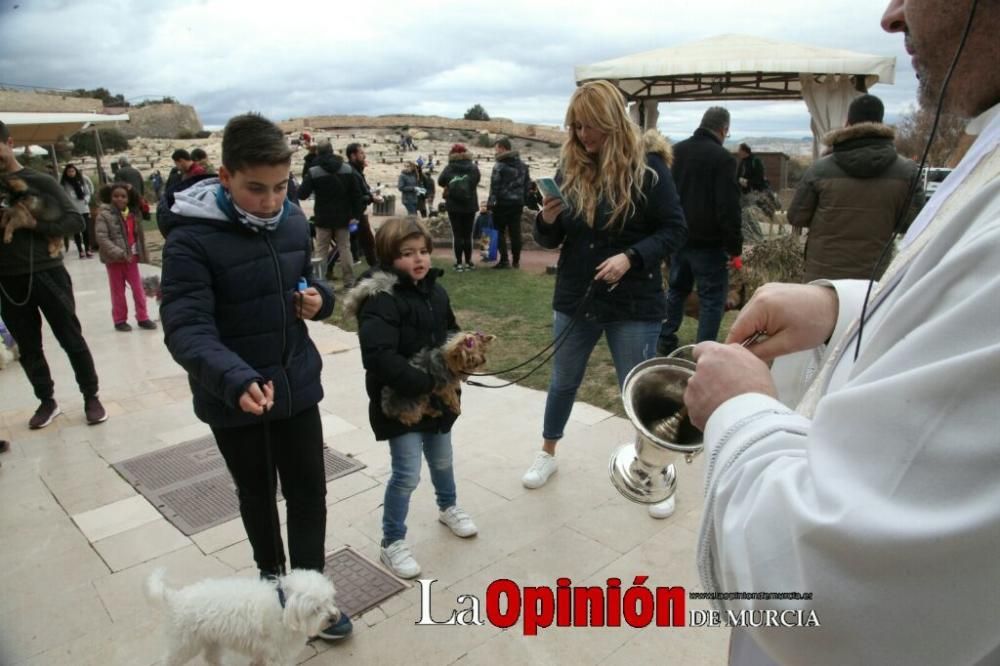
931	179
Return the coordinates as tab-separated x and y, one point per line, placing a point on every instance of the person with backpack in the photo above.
459	181
508	194
338	204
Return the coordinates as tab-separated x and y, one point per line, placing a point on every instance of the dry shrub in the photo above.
753	217
777	259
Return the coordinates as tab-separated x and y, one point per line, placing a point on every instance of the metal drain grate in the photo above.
190	485
360	583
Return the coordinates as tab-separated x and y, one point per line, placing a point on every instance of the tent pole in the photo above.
102	178
55	162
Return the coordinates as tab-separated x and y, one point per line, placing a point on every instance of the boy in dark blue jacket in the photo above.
232	314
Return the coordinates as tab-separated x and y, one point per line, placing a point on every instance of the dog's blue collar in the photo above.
281	595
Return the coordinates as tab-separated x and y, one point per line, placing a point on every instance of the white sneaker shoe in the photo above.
663	509
458	521
544	466
399	559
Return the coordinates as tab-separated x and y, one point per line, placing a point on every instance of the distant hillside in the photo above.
772	144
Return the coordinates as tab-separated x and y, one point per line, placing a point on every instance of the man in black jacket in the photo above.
358	161
129	174
705	174
508	193
33	282
338	203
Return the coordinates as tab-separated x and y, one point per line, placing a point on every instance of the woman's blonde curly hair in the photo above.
617	172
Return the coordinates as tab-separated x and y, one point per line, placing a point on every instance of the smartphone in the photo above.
549	188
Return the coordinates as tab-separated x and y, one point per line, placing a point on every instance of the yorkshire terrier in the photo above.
22	207
449	365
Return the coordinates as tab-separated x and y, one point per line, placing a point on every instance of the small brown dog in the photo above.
449	365
23	207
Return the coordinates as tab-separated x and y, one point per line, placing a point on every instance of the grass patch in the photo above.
516	306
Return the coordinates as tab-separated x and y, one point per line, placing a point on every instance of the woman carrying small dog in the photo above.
121	246
617	219
402	309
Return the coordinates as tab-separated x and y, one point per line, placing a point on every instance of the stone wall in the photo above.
495	126
27	100
160	121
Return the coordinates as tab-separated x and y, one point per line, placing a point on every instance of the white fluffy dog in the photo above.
266	620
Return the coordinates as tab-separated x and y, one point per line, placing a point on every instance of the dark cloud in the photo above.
308	58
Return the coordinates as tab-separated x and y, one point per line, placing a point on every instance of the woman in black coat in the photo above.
459	181
617	219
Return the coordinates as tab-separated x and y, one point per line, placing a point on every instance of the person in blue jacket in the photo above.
237	288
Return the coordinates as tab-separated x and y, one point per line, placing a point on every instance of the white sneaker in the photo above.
540	470
458	521
663	509
399	559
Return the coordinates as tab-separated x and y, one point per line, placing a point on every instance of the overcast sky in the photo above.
516	58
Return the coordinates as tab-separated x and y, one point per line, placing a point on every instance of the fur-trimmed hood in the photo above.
378	281
509	156
864	150
859	131
462	156
654	142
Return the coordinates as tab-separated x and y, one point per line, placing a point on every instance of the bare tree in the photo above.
914	128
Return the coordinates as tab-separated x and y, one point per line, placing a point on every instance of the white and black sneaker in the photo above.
399	559
45	414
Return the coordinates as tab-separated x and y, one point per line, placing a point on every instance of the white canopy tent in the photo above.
740	67
48	128
29	127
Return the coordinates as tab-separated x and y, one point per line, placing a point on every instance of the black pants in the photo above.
508	219
52	296
461	231
296	451
366	239
80	239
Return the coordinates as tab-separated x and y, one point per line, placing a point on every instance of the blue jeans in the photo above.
631	342
405	451
708	269
411	207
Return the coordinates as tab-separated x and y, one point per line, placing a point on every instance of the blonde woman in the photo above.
618	218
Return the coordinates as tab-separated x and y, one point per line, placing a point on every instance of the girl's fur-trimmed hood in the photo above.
378	282
654	142
381	281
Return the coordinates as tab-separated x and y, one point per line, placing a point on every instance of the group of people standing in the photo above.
885	469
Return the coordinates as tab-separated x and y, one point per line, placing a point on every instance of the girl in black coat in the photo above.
401	310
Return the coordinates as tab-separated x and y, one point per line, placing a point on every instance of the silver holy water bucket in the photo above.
653	392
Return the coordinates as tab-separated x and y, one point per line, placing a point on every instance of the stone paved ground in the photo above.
77	541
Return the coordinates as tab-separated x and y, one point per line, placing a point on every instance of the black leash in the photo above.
554	346
272	488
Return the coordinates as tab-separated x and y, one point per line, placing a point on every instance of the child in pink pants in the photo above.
122	246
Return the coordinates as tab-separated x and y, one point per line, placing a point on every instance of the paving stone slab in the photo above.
361	584
190	485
